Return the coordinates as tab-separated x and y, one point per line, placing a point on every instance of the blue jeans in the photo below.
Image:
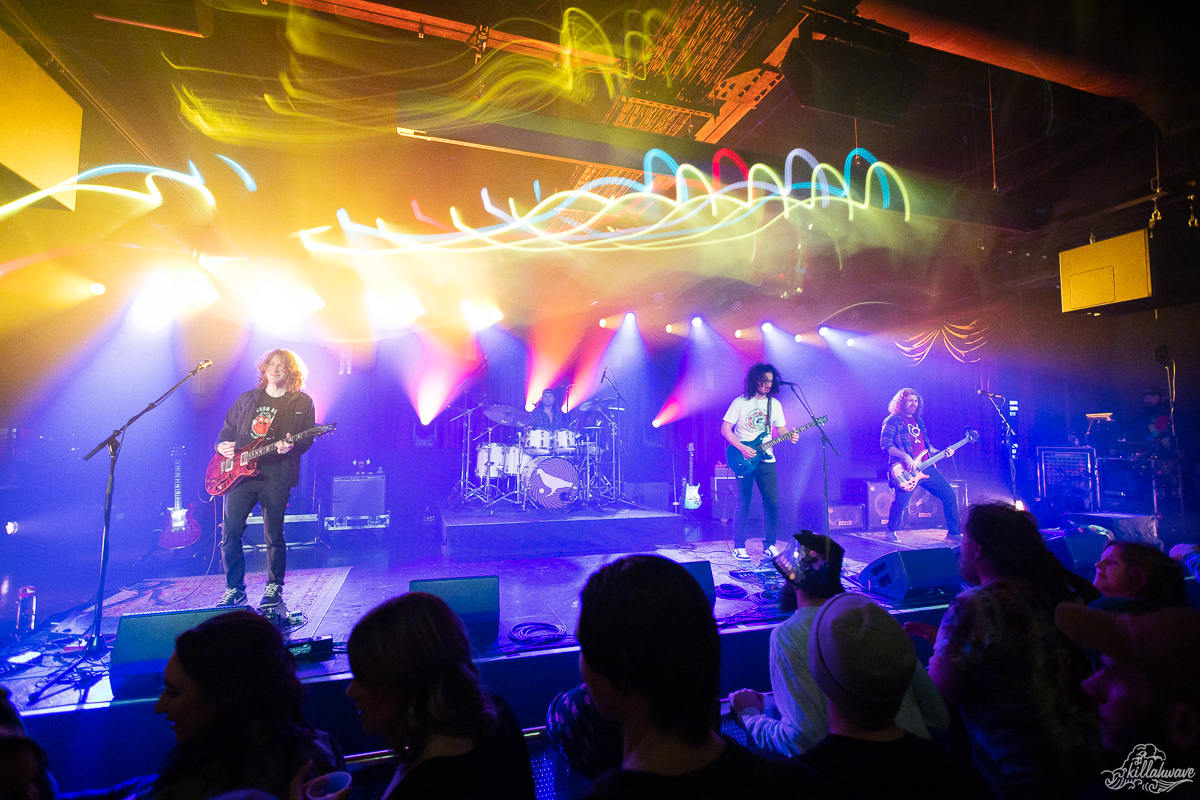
768	488
273	497
937	485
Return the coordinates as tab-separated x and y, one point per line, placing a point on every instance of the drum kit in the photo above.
507	460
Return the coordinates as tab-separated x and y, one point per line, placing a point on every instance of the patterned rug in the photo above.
308	591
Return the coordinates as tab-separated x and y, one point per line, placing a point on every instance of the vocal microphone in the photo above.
202	365
786	383
989	394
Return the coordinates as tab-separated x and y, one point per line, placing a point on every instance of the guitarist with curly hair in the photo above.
904	439
756	411
275	409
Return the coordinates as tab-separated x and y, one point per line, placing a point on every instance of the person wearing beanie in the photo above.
1148	697
812	568
863	661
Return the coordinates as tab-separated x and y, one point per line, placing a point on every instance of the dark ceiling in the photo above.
1023	163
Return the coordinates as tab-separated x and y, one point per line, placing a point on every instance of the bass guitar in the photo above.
691	491
180	528
907	480
225	473
743	466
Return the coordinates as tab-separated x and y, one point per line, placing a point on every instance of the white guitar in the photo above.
691	491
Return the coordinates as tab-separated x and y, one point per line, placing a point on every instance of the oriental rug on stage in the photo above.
309	592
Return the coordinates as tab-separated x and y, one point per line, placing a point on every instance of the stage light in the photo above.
479	319
629	316
799	338
850	342
697	322
98	289
154	307
668	328
766	326
10	528
737	334
1020	505
603	323
823	331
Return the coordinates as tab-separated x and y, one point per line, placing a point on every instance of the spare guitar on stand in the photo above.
691	489
180	528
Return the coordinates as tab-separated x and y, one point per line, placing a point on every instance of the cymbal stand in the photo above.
467	491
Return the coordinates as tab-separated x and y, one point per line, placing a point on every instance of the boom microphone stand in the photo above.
996	400
94	645
826	445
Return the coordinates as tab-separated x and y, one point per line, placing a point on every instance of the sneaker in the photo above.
233	597
891	536
772	550
273	595
740	554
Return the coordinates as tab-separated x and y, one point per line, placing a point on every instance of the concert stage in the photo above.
81	725
469	531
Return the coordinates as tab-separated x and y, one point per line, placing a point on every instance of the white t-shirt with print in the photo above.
749	418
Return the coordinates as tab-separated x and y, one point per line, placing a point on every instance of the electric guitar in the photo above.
225	473
907	480
743	466
691	491
180	528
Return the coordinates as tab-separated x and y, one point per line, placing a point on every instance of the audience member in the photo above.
812	569
1189	556
1013	675
651	658
590	743
1141	572
24	771
415	684
1148	697
233	699
863	661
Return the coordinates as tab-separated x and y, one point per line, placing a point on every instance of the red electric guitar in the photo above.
180	528
225	473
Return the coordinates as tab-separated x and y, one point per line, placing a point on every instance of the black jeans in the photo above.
272	496
768	488
937	485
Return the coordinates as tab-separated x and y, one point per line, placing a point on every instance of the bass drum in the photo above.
550	481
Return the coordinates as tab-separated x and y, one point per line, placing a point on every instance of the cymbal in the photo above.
507	415
606	403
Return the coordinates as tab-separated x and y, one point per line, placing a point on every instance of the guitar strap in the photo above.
768	419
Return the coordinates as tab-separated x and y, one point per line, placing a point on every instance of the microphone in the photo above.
785	383
989	394
202	365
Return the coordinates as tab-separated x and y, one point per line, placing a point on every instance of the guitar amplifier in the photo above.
925	510
724	496
879	502
846	518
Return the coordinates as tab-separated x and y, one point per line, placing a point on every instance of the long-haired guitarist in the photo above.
904	439
746	418
273	410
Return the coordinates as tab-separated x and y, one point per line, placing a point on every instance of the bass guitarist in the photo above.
752	412
275	409
904	439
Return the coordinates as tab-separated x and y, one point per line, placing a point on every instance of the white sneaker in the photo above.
771	551
740	554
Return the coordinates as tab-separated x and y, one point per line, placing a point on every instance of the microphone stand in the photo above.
94	645
618	446
826	445
1008	440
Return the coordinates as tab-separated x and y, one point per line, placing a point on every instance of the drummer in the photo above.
547	415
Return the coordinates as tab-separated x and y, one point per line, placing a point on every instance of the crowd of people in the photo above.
1040	685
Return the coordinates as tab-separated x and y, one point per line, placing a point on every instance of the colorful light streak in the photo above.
152	197
961	341
714	215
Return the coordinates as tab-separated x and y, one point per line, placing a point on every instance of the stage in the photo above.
531	660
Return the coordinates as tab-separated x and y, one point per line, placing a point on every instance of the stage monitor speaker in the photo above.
831	75
879	502
476	600
702	572
1124	527
358	496
1079	552
913	575
846	518
143	645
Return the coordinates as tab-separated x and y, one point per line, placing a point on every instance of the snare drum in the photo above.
551	482
564	441
539	442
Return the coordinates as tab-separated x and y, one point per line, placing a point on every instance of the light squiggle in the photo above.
712	215
152	196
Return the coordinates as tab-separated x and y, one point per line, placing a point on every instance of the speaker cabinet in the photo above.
725	500
1079	552
702	572
879	502
476	601
358	496
846	518
913	575
143	645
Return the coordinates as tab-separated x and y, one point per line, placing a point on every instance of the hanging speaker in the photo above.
913	575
